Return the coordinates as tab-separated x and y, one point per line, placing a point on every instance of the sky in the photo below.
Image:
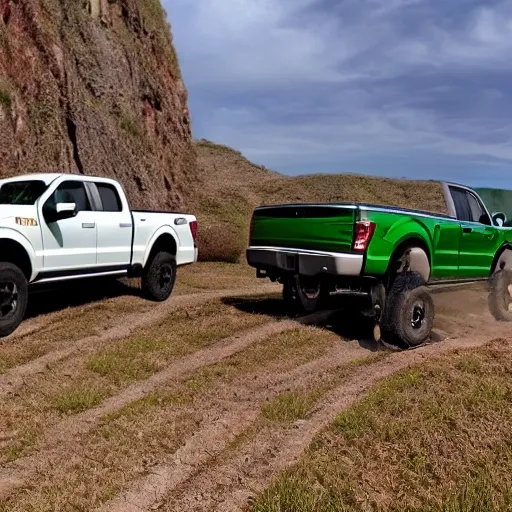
418	89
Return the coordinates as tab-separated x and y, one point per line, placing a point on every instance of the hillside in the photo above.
94	87
230	187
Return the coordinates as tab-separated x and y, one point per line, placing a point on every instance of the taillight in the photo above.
193	230
364	233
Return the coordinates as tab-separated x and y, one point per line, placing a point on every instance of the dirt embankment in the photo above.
94	87
229	187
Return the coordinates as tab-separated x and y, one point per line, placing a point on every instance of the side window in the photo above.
462	207
478	213
68	192
109	197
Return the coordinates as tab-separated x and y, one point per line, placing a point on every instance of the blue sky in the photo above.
403	88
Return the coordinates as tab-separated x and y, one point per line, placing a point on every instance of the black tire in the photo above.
291	303
300	301
13	298
409	312
159	276
500	298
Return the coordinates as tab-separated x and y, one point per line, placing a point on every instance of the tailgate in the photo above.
314	227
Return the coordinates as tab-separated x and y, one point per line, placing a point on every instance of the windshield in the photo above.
22	192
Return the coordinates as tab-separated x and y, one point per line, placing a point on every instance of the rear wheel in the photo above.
500	296
13	298
409	313
302	294
159	276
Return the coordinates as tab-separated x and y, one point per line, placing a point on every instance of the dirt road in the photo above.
115	404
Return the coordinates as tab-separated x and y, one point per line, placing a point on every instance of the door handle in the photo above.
467	230
87	225
125	225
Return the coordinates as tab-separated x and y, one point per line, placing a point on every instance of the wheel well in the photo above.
399	250
13	252
498	255
165	243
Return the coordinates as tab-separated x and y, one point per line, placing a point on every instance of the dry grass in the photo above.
57	330
230	187
129	442
66	316
295	404
181	333
433	438
205	276
72	388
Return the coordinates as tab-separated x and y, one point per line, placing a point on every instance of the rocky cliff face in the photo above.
94	87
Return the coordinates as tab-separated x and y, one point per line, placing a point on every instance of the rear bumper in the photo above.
305	262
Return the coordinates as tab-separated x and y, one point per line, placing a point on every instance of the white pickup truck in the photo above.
57	227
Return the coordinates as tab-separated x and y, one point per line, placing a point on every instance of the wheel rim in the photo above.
309	288
8	298
165	277
418	315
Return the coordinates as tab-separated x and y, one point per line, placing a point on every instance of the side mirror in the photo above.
499	219
65	210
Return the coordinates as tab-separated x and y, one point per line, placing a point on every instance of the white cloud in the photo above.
248	43
291	81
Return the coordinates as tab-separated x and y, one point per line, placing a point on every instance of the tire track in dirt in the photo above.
61	438
221	427
177	371
228	484
14	377
199	481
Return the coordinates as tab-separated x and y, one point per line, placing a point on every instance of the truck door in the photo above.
115	227
68	244
478	238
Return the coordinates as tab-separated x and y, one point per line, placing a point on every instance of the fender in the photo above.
403	230
394	233
163	230
7	233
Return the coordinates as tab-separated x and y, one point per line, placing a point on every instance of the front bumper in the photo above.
305	262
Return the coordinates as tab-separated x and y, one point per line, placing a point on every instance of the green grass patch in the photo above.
4	39
434	438
25	441
126	363
141	406
289	406
129	125
78	399
5	97
202	379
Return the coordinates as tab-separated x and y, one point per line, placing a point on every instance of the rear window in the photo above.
22	192
109	197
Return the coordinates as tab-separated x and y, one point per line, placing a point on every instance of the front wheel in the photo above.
500	296
159	276
409	312
13	298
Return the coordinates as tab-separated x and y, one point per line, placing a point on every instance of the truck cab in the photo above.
58	227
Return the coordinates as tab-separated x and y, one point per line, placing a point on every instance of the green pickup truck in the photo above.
382	260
